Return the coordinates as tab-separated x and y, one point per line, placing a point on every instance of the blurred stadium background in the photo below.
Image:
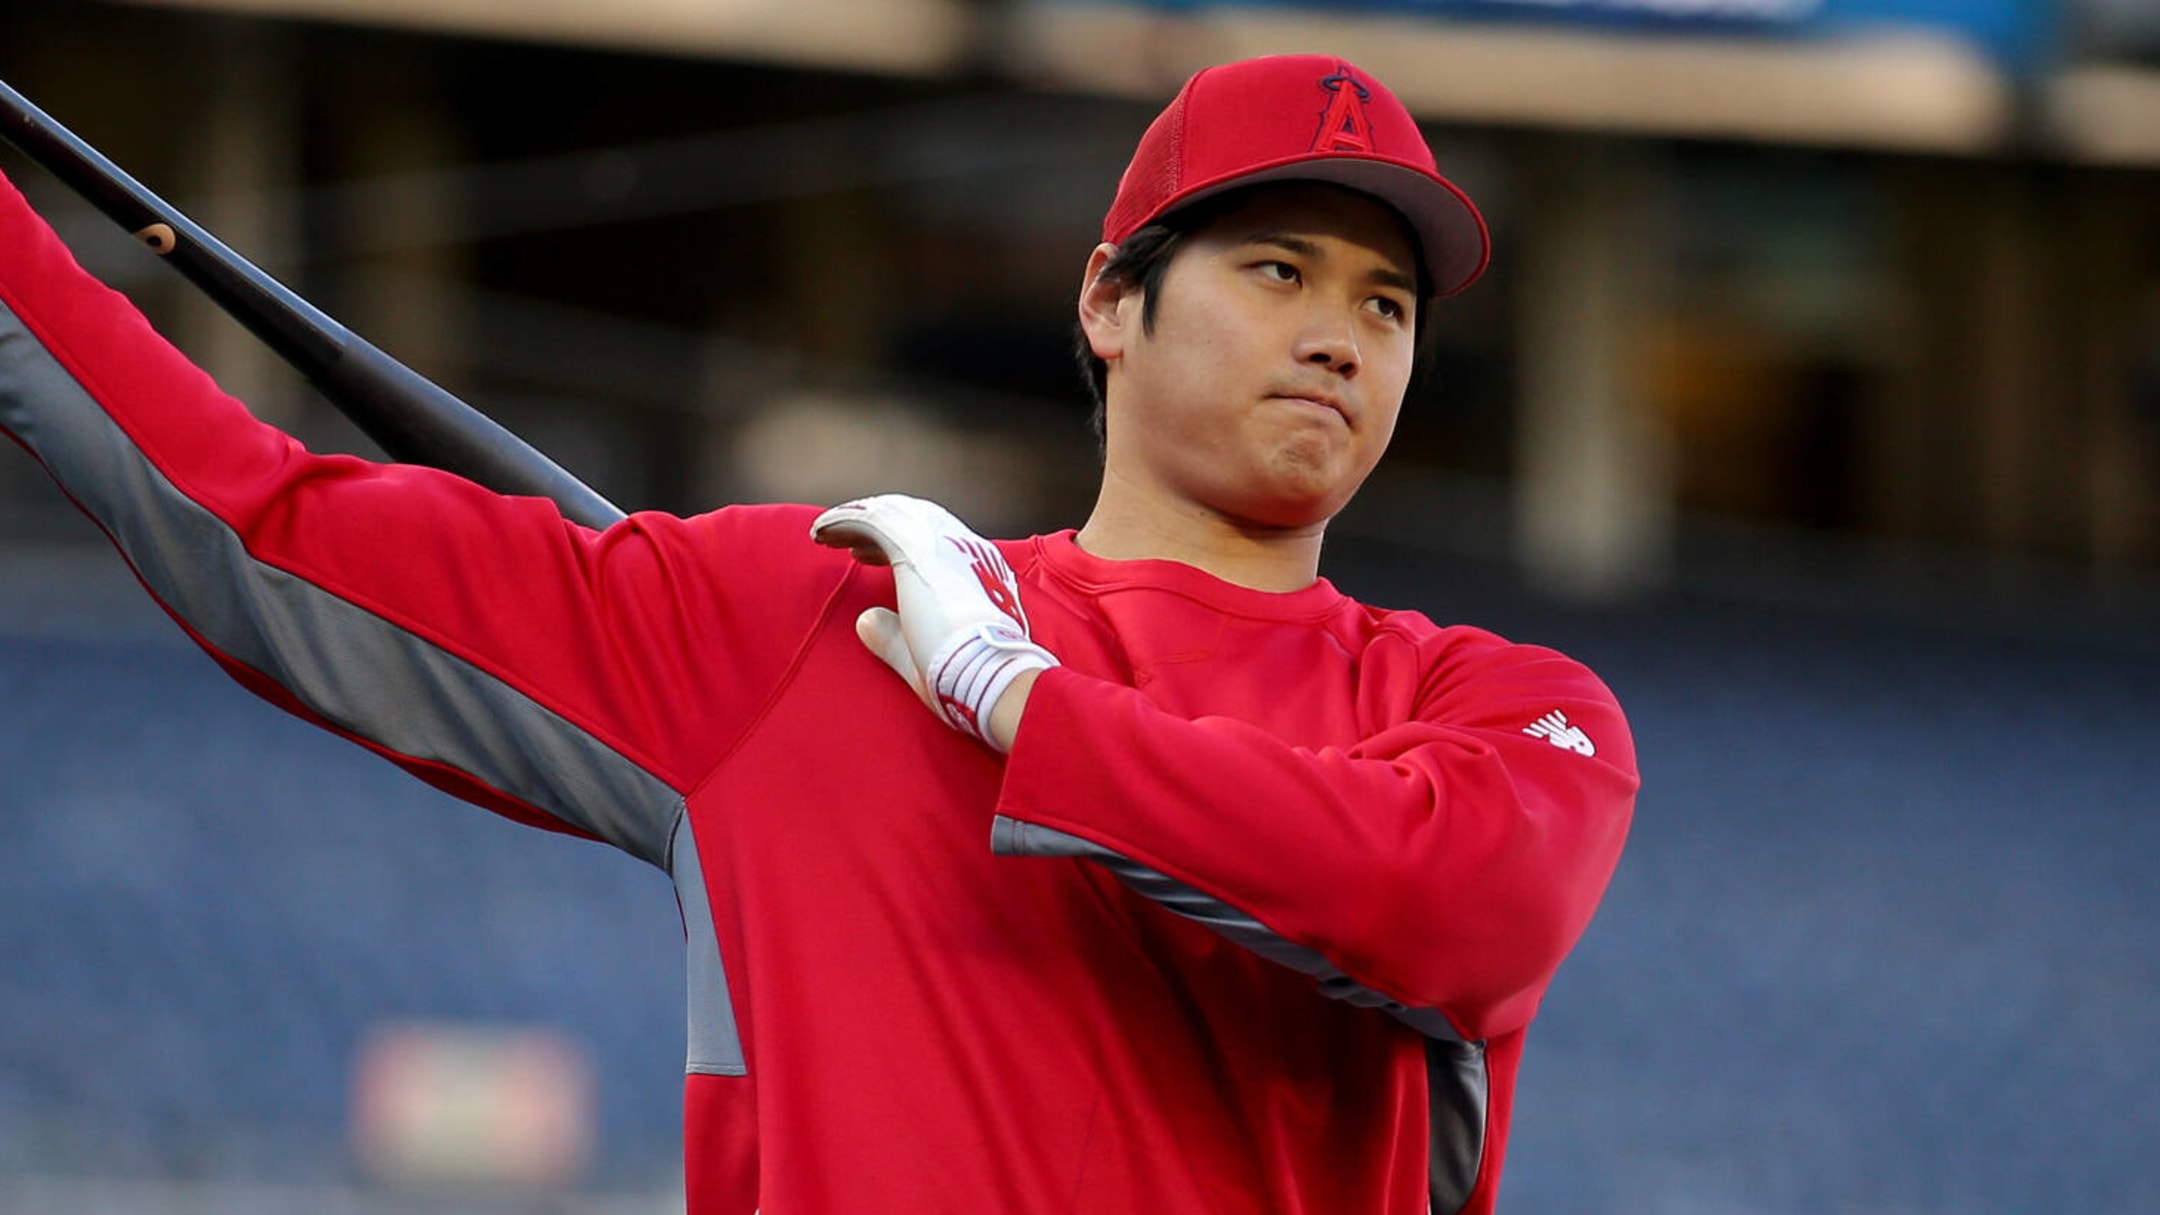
1813	398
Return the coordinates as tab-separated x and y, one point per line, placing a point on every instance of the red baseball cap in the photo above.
1300	118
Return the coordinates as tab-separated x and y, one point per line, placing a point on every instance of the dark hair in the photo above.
1145	258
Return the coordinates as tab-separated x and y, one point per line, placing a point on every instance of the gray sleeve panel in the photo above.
355	669
1011	837
1458	1088
715	1044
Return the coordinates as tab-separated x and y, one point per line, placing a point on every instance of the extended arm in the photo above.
558	675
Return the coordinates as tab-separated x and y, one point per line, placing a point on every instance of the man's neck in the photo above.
1129	525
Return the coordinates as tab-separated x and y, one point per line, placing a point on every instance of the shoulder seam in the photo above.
780	686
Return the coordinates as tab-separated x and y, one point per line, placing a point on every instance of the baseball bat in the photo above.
411	418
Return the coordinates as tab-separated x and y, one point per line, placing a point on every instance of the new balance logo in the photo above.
995	576
1554	728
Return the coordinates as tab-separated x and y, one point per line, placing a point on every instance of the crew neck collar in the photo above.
1061	554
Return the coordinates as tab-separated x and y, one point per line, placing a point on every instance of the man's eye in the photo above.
1281	272
1393	309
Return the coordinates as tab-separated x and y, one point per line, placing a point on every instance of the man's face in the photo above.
1283	340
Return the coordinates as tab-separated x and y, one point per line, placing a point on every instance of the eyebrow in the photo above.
1386	276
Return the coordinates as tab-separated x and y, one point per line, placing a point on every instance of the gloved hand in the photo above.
960	637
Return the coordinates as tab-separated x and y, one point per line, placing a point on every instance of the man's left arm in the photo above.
1441	869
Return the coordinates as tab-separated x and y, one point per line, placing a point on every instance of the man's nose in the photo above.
1329	340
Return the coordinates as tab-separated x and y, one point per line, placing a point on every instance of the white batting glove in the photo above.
960	637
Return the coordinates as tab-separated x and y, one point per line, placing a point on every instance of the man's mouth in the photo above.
1319	400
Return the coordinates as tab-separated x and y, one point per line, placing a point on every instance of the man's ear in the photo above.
1103	317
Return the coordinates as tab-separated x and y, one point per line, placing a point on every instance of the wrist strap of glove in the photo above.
973	670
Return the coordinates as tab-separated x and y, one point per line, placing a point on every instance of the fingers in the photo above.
861	547
885	529
854	529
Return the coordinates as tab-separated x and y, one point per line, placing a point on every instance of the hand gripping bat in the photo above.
410	417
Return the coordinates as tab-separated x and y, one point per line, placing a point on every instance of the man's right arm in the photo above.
567	678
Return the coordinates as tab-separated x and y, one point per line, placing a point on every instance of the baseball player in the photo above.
1127	869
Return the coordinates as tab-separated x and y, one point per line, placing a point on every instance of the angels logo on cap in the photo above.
1343	128
1253	121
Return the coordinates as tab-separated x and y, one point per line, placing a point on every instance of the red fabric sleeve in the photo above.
1446	863
654	640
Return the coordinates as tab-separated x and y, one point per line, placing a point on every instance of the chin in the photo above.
1297	494
1289	512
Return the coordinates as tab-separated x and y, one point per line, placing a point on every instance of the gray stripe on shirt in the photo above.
355	669
1458	1088
1011	837
715	1044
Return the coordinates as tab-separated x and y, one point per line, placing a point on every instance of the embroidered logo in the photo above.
1554	728
1344	127
995	576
